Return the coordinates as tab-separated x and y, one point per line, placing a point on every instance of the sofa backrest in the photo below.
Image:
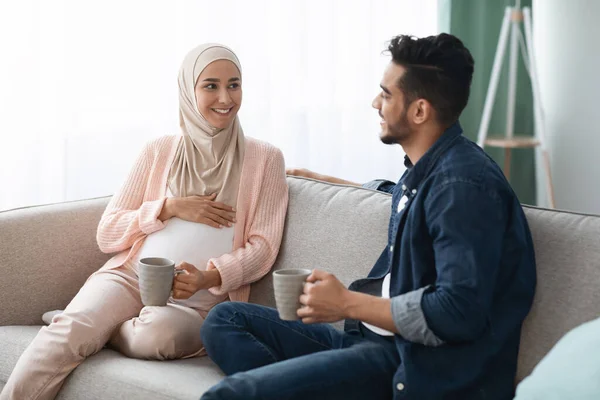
46	254
343	230
337	228
567	250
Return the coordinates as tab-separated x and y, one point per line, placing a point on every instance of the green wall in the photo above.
477	23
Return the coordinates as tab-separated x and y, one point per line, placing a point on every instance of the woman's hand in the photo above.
201	209
191	280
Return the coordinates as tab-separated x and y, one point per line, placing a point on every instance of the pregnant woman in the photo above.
211	199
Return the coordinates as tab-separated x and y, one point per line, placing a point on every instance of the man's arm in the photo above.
326	299
373	310
467	225
379	184
305	173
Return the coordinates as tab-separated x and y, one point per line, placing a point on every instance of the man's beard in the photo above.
397	133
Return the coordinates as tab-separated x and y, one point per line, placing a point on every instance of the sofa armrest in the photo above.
46	254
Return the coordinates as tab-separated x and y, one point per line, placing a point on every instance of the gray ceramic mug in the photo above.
156	280
289	285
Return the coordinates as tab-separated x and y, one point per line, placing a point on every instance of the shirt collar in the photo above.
416	173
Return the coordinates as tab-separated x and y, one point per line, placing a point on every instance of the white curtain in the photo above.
85	83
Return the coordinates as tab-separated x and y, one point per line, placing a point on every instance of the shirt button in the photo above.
400	386
414	191
403	187
391	248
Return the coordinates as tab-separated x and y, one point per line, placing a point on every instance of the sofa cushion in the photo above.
110	375
567	250
570	371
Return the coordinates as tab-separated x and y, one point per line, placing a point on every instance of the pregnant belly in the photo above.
193	243
187	241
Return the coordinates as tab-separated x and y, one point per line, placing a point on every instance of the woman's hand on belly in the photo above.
201	209
192	280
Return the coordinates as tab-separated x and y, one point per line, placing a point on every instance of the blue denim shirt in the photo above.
462	263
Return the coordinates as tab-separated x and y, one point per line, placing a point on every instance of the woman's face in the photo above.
219	93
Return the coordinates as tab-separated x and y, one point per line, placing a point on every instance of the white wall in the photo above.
85	84
566	36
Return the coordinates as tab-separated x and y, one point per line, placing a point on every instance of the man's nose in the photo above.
376	103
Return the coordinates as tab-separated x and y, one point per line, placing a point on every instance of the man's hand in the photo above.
324	299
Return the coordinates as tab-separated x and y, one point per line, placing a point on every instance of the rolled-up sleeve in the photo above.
381	185
467	225
410	321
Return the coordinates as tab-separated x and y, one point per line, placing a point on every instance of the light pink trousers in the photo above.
107	310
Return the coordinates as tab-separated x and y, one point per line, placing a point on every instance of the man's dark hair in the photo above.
439	69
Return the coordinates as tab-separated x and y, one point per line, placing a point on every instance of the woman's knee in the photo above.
82	334
89	320
161	333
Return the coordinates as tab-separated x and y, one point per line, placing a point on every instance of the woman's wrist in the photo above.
167	211
212	278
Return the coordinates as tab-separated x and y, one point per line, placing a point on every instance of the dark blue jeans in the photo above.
267	358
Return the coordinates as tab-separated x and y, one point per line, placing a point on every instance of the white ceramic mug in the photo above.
156	280
289	285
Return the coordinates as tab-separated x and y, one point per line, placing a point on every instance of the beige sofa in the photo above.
47	252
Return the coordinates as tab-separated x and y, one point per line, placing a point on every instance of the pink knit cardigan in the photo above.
133	212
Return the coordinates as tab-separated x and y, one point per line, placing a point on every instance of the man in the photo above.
440	314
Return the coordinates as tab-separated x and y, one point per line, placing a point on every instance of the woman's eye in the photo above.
210	86
234	86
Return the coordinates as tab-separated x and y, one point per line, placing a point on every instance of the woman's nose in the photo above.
224	97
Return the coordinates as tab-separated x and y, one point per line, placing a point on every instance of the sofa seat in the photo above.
110	375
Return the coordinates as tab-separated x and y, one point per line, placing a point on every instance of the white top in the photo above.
194	243
385	293
385	286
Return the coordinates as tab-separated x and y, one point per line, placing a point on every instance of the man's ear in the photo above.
422	111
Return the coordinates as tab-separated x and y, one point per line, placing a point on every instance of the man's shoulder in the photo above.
468	163
466	166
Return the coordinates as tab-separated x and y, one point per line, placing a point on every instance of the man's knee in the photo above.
240	386
220	316
223	320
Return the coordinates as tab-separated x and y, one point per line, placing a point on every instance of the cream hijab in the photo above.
208	160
